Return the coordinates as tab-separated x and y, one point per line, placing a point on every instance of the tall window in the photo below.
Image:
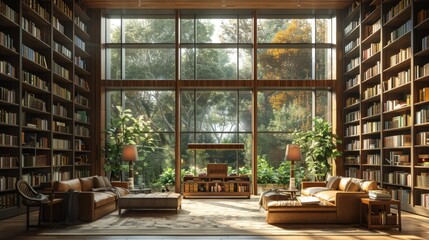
220	45
158	108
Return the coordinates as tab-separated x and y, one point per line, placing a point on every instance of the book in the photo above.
308	200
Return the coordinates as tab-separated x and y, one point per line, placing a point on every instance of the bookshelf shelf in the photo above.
232	186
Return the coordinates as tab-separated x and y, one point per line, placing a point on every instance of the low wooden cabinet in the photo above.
206	186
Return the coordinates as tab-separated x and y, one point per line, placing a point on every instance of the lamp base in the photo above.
131	183
292	184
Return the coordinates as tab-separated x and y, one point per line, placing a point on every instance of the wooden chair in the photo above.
31	198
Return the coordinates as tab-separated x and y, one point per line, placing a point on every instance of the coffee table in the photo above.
159	201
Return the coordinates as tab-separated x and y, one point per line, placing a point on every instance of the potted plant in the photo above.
123	130
267	176
167	179
319	147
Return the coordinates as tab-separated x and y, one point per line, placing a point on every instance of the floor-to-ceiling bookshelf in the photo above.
386	97
45	86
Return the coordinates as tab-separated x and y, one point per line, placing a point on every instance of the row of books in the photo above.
39	9
78	42
395	10
81	116
59	110
8	95
81	82
7	183
351	172
8	161
80	23
8	12
60	159
398	158
353	82
424	94
31	28
35	80
63	7
371	143
352	130
61	92
373	49
353	145
402	195
81	131
31	101
61	127
421	71
352	116
422	115
61	144
29	139
215	187
39	160
403	140
422	138
38	123
62	50
8	140
373	159
79	61
7	41
398	177
371	91
353	63
372	71
373	109
400	31
390	105
79	99
372	174
370	127
61	71
9	200
57	24
422	15
79	145
425	43
35	179
424	200
7	68
352	160
402	55
401	78
351	101
403	120
423	180
370	29
352	25
34	56
352	44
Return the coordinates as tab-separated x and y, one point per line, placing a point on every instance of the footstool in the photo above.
150	201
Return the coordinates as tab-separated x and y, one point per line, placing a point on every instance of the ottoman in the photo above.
150	201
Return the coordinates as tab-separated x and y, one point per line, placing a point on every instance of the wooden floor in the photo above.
413	227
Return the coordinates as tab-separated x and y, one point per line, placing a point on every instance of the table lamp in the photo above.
293	153
129	154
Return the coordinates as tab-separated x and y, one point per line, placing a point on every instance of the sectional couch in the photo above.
339	202
94	195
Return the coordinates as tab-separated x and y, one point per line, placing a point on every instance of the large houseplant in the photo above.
319	147
123	130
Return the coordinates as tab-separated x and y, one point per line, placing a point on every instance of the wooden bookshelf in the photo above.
216	186
385	128
44	81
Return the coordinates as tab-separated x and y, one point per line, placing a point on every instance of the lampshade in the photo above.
129	153
293	152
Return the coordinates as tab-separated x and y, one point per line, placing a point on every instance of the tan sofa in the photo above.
94	198
340	203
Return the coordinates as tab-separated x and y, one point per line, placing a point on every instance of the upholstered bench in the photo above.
150	201
292	211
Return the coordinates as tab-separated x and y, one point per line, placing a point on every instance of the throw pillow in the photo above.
333	182
107	182
352	187
343	183
99	182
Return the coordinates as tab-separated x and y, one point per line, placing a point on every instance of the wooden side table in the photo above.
391	221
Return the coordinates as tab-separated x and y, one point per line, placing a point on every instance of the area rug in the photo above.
203	217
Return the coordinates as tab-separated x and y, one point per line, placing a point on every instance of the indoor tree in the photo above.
124	129
319	147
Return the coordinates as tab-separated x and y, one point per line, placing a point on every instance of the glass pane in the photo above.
271	146
284	63
113	63
324	31
113	30
322	104
284	111
149	30
245	111
216	63
216	112
324	63
245	30
285	30
245	64
149	64
187	111
187	63
113	99
157	106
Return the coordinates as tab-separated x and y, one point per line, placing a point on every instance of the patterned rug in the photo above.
203	217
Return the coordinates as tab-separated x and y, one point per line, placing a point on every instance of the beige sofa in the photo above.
339	197
95	200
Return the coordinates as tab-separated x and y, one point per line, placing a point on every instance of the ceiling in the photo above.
218	4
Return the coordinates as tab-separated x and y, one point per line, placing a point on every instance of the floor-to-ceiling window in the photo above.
224	68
